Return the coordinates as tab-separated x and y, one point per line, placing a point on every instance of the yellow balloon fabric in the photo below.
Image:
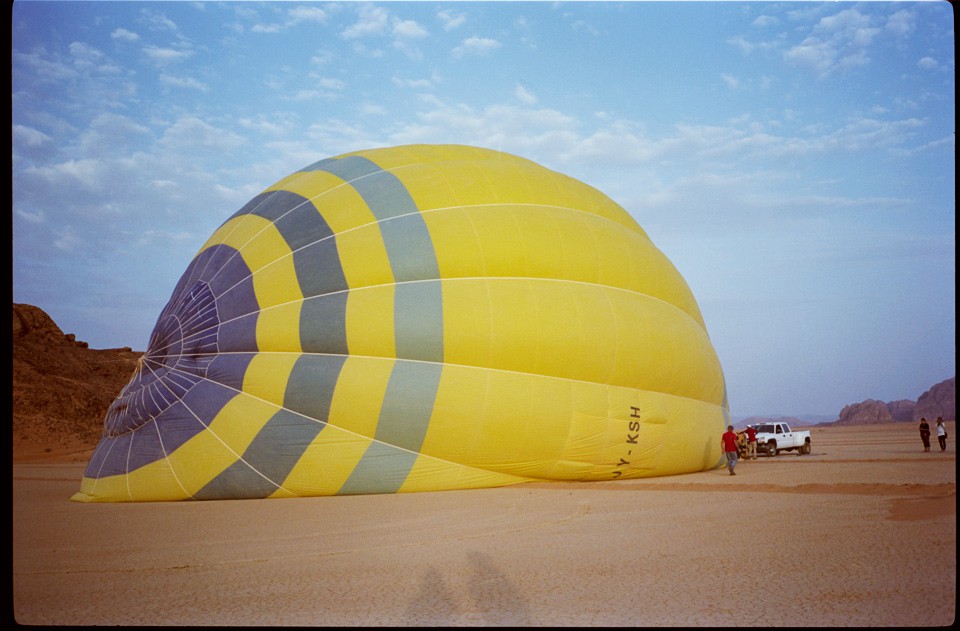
416	318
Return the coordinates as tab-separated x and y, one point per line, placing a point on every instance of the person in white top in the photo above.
941	434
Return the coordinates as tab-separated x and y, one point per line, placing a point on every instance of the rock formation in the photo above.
61	388
940	400
867	412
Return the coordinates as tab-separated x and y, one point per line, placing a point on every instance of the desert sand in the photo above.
862	532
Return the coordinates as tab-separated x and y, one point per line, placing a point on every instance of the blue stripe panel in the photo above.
230	280
223	268
145	400
177	425
311	384
219	266
418	321
239	335
318	268
403	423
110	457
408	404
384	469
410	248
386	195
323	324
347	169
267	461
274	205
229	369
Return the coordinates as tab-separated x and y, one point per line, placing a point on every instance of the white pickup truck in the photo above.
772	438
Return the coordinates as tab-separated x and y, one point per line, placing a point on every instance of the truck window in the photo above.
779	430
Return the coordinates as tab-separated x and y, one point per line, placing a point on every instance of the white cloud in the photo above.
125	35
476	46
417	84
86	174
927	63
745	47
582	25
295	17
838	41
189	133
266	125
30	137
373	109
68	240
109	135
322	58
524	95
902	23
35	218
764	21
372	21
307	14
157	21
86	57
43	68
183	82
731	81
409	29
451	20
164	56
266	28
365	51
331	84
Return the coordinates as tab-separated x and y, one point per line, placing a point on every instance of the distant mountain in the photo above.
805	420
940	400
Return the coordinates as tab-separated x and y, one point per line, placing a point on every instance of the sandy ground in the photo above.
862	532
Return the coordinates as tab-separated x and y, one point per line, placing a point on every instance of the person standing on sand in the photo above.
751	442
729	442
925	433
941	434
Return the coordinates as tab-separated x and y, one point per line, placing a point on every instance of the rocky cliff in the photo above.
940	400
61	387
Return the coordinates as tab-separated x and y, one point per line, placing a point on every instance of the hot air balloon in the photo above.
416	318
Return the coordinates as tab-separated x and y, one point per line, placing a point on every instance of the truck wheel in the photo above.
805	449
771	449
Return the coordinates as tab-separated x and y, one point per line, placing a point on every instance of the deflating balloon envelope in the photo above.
416	318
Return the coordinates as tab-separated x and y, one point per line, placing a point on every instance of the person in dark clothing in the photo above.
925	434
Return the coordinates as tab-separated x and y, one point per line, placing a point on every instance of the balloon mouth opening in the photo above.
182	345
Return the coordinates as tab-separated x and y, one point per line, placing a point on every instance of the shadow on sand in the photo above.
493	599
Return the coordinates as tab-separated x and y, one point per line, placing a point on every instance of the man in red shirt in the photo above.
751	442
729	442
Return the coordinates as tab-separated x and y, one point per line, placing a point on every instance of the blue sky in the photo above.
794	160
